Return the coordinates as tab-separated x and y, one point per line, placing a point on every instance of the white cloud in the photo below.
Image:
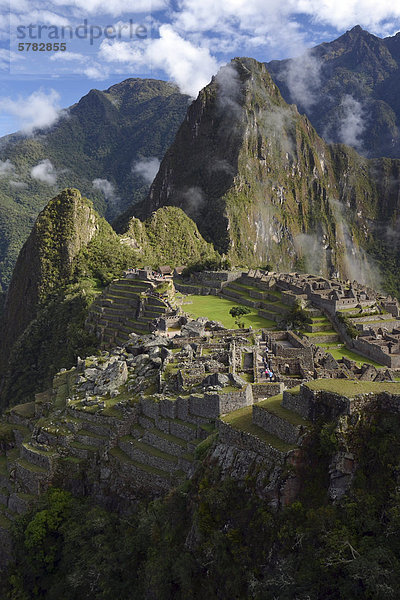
6	168
18	184
8	57
190	66
114	7
107	188
68	56
352	123
39	110
258	17
97	72
303	79
147	168
45	172
347	13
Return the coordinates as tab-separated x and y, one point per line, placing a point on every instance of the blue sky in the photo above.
185	41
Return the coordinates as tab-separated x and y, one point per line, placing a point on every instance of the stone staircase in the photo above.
320	330
126	306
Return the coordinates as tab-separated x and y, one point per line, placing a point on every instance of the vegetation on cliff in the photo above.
264	188
168	236
101	137
215	538
70	256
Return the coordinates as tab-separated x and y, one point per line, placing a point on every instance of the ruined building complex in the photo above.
135	418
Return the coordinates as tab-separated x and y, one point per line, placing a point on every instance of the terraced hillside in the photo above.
148	446
272	304
269	303
126	306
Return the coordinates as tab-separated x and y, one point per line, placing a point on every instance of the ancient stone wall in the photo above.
376	353
274	425
296	403
266	390
241	439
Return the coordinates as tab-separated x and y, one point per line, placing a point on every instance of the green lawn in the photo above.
339	351
242	420
217	309
352	387
274	406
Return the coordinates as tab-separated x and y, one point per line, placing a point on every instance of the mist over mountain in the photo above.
349	89
108	145
259	182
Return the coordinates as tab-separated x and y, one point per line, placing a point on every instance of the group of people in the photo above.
268	371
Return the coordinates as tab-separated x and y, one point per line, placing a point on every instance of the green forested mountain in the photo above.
349	89
103	137
265	188
71	255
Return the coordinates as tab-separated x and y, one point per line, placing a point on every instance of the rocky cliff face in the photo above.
265	188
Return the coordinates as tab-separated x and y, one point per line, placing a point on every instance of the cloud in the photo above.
346	13
8	57
262	19
45	172
37	111
6	168
303	79
107	188
189	65
147	168
229	89
18	184
68	56
114	7
97	72
352	122
194	201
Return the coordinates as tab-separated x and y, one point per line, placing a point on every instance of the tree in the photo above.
296	318
237	312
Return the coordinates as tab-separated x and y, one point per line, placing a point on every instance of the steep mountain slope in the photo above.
100	138
70	256
264	188
349	89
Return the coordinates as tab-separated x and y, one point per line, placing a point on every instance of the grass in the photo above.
25	410
124	458
3	465
242	421
151	450
247	377
31	466
217	309
168	437
352	387
183	423
229	389
274	406
340	351
320	334
37	450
